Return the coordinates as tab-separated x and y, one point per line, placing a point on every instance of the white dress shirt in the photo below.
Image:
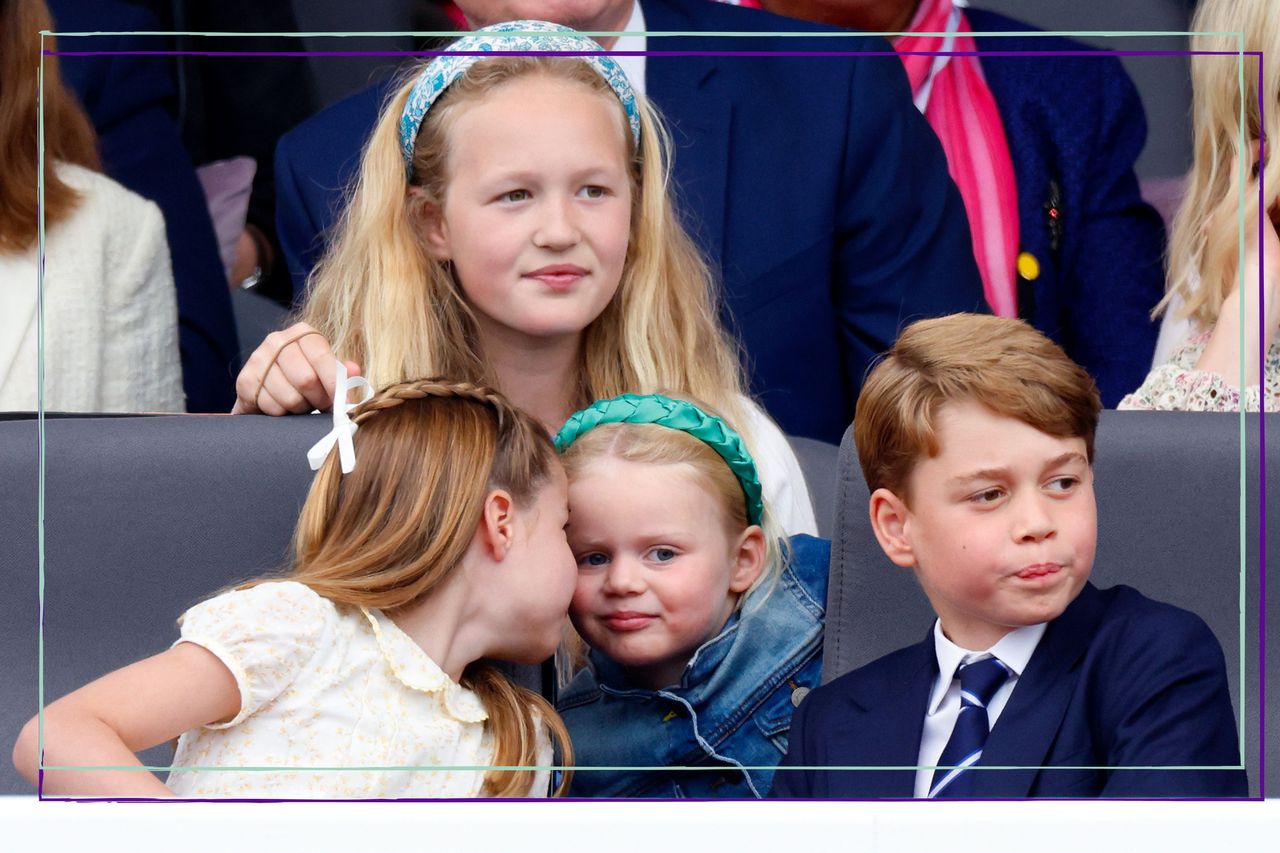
1014	650
632	66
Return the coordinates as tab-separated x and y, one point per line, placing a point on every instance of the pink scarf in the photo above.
963	112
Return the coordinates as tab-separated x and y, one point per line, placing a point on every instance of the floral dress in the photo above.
1178	386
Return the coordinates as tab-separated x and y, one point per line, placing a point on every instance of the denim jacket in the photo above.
731	711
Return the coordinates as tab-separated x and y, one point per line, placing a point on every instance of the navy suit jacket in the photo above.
1075	126
125	97
812	184
1118	680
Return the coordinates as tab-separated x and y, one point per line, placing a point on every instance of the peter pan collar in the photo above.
417	671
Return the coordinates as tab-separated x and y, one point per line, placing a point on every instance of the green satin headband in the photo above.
673	414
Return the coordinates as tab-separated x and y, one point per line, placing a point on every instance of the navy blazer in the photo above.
812	183
125	97
1118	680
1075	126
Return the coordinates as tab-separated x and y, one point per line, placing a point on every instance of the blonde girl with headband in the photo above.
704	626
443	544
1203	331
510	225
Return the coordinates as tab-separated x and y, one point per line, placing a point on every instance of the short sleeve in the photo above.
786	492
265	635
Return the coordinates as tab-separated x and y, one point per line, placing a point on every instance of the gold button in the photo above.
1028	266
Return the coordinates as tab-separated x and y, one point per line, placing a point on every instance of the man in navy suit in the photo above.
812	184
1090	250
1075	127
1032	682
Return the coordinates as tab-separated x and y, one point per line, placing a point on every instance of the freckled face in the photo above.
1002	524
656	571
536	216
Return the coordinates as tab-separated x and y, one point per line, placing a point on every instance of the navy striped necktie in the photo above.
979	681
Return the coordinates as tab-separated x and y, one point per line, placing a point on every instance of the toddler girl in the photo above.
442	544
705	628
510	226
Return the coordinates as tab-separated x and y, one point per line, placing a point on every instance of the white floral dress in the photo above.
1178	386
328	686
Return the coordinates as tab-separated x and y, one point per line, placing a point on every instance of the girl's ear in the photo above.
428	218
748	559
889	522
497	525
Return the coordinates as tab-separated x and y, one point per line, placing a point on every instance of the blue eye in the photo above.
594	559
661	555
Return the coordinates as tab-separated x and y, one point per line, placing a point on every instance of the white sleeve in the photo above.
265	635
142	366
785	491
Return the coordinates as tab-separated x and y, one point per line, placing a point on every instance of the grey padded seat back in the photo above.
144	517
818	461
1168	492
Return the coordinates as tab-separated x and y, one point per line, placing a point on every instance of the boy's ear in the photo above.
889	521
497	525
748	559
428	218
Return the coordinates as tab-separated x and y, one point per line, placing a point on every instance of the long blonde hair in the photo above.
394	529
1204	240
381	300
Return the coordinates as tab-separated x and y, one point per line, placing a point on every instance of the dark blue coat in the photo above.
1118	680
813	184
1075	123
125	98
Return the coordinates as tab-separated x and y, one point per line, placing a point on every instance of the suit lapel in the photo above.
699	114
1029	723
891	722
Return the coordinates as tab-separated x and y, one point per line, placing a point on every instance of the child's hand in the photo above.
298	379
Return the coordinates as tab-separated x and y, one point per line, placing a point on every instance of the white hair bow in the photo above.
343	427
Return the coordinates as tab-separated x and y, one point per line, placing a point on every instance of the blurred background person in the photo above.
127	93
1202	308
110	331
1042	149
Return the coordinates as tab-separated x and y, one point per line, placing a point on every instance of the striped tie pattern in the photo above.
979	681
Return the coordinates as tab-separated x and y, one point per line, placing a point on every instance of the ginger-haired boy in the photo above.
975	436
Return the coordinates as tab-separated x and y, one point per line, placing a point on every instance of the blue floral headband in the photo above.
509	37
673	414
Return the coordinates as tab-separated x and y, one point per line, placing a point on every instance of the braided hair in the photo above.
393	530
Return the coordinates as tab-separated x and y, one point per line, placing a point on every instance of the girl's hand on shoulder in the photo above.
297	364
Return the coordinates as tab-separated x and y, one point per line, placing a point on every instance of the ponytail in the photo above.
514	717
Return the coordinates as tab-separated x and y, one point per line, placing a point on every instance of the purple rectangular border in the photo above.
1262	455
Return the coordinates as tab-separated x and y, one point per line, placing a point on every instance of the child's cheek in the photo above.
580	604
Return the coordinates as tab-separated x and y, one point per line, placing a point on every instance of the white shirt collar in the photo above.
1014	650
632	66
